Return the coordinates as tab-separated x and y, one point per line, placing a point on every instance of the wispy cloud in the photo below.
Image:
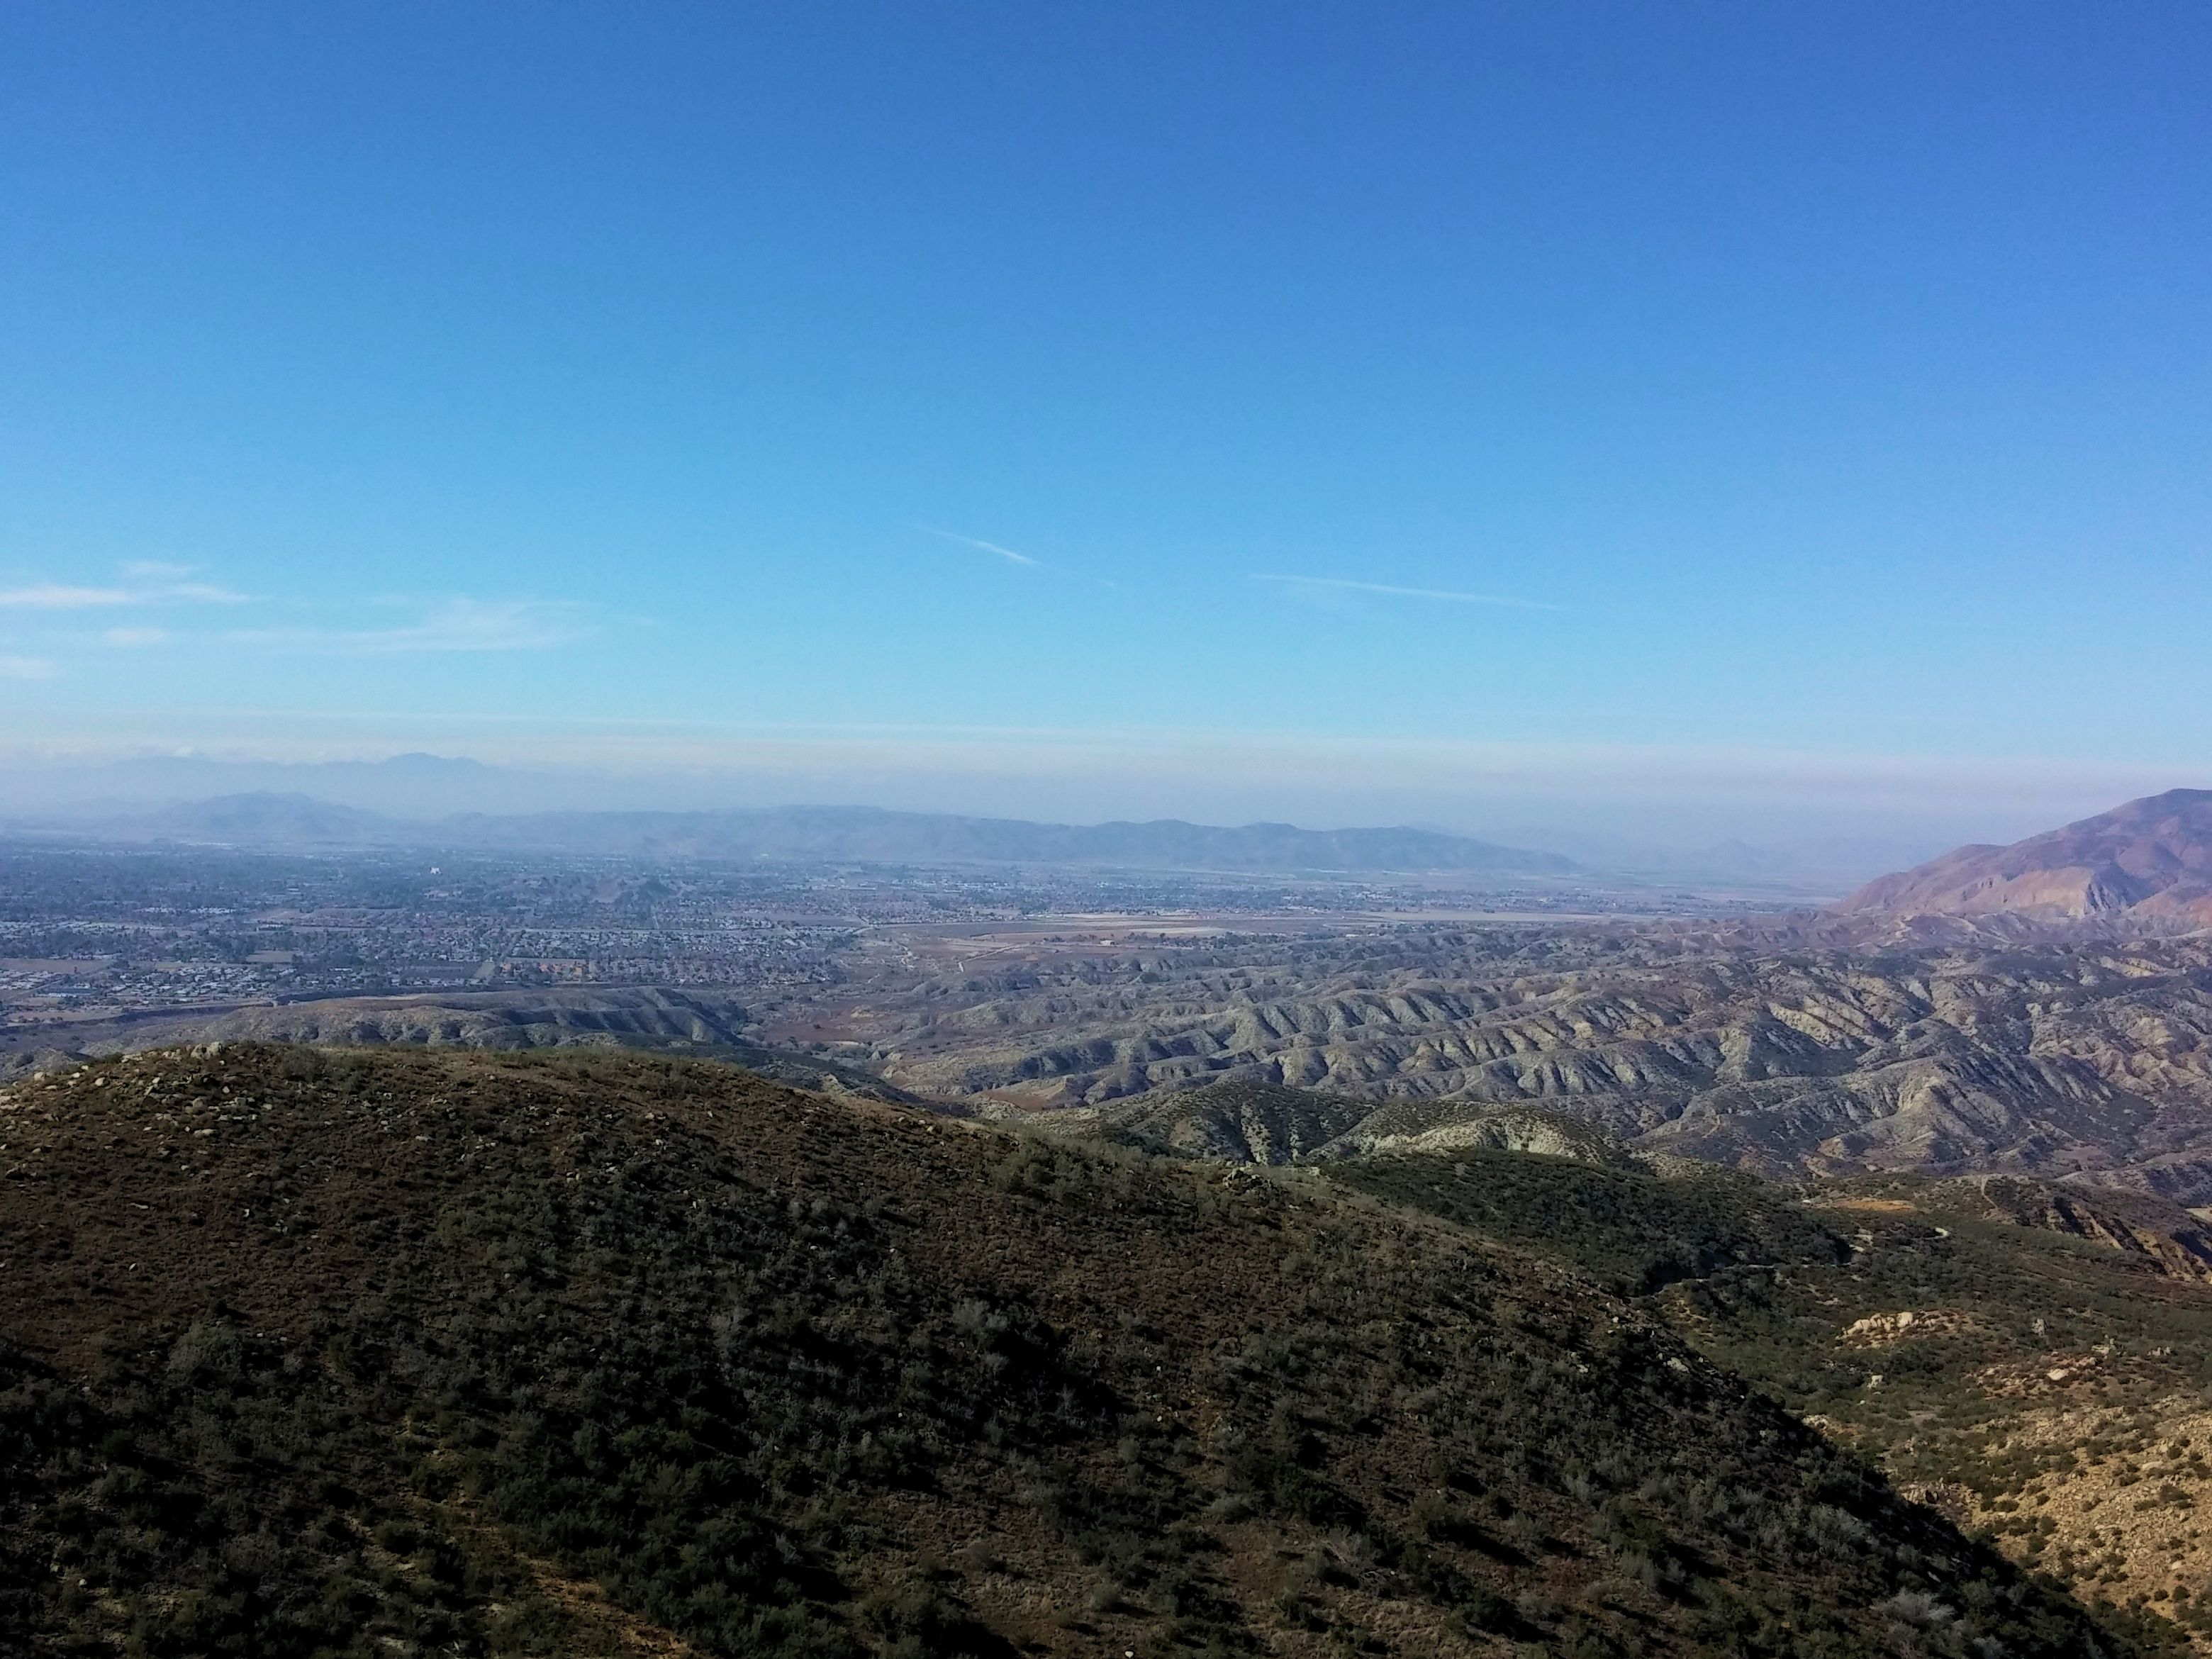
71	596
454	625
415	624
1007	553
1446	595
62	595
190	593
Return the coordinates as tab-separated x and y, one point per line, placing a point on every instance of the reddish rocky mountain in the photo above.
2149	862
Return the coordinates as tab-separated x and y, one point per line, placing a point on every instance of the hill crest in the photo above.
367	1353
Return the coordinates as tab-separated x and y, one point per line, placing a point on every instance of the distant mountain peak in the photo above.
2147	862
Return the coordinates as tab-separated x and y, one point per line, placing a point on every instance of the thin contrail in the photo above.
1445	594
988	547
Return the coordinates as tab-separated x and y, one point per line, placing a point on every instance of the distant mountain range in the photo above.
2148	862
858	833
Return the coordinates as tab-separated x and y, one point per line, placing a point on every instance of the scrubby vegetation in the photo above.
1632	1230
424	1353
1893	1312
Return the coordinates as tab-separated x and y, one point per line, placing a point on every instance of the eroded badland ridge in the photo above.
2042	1008
2072	1058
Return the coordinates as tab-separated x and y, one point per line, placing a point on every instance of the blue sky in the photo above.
1821	389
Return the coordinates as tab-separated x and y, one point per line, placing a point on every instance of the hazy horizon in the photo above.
1679	818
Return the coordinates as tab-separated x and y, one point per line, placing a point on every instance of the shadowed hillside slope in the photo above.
2033	1359
698	1025
1245	1121
410	1352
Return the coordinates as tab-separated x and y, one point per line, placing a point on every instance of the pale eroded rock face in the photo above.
2081	1059
1248	1121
